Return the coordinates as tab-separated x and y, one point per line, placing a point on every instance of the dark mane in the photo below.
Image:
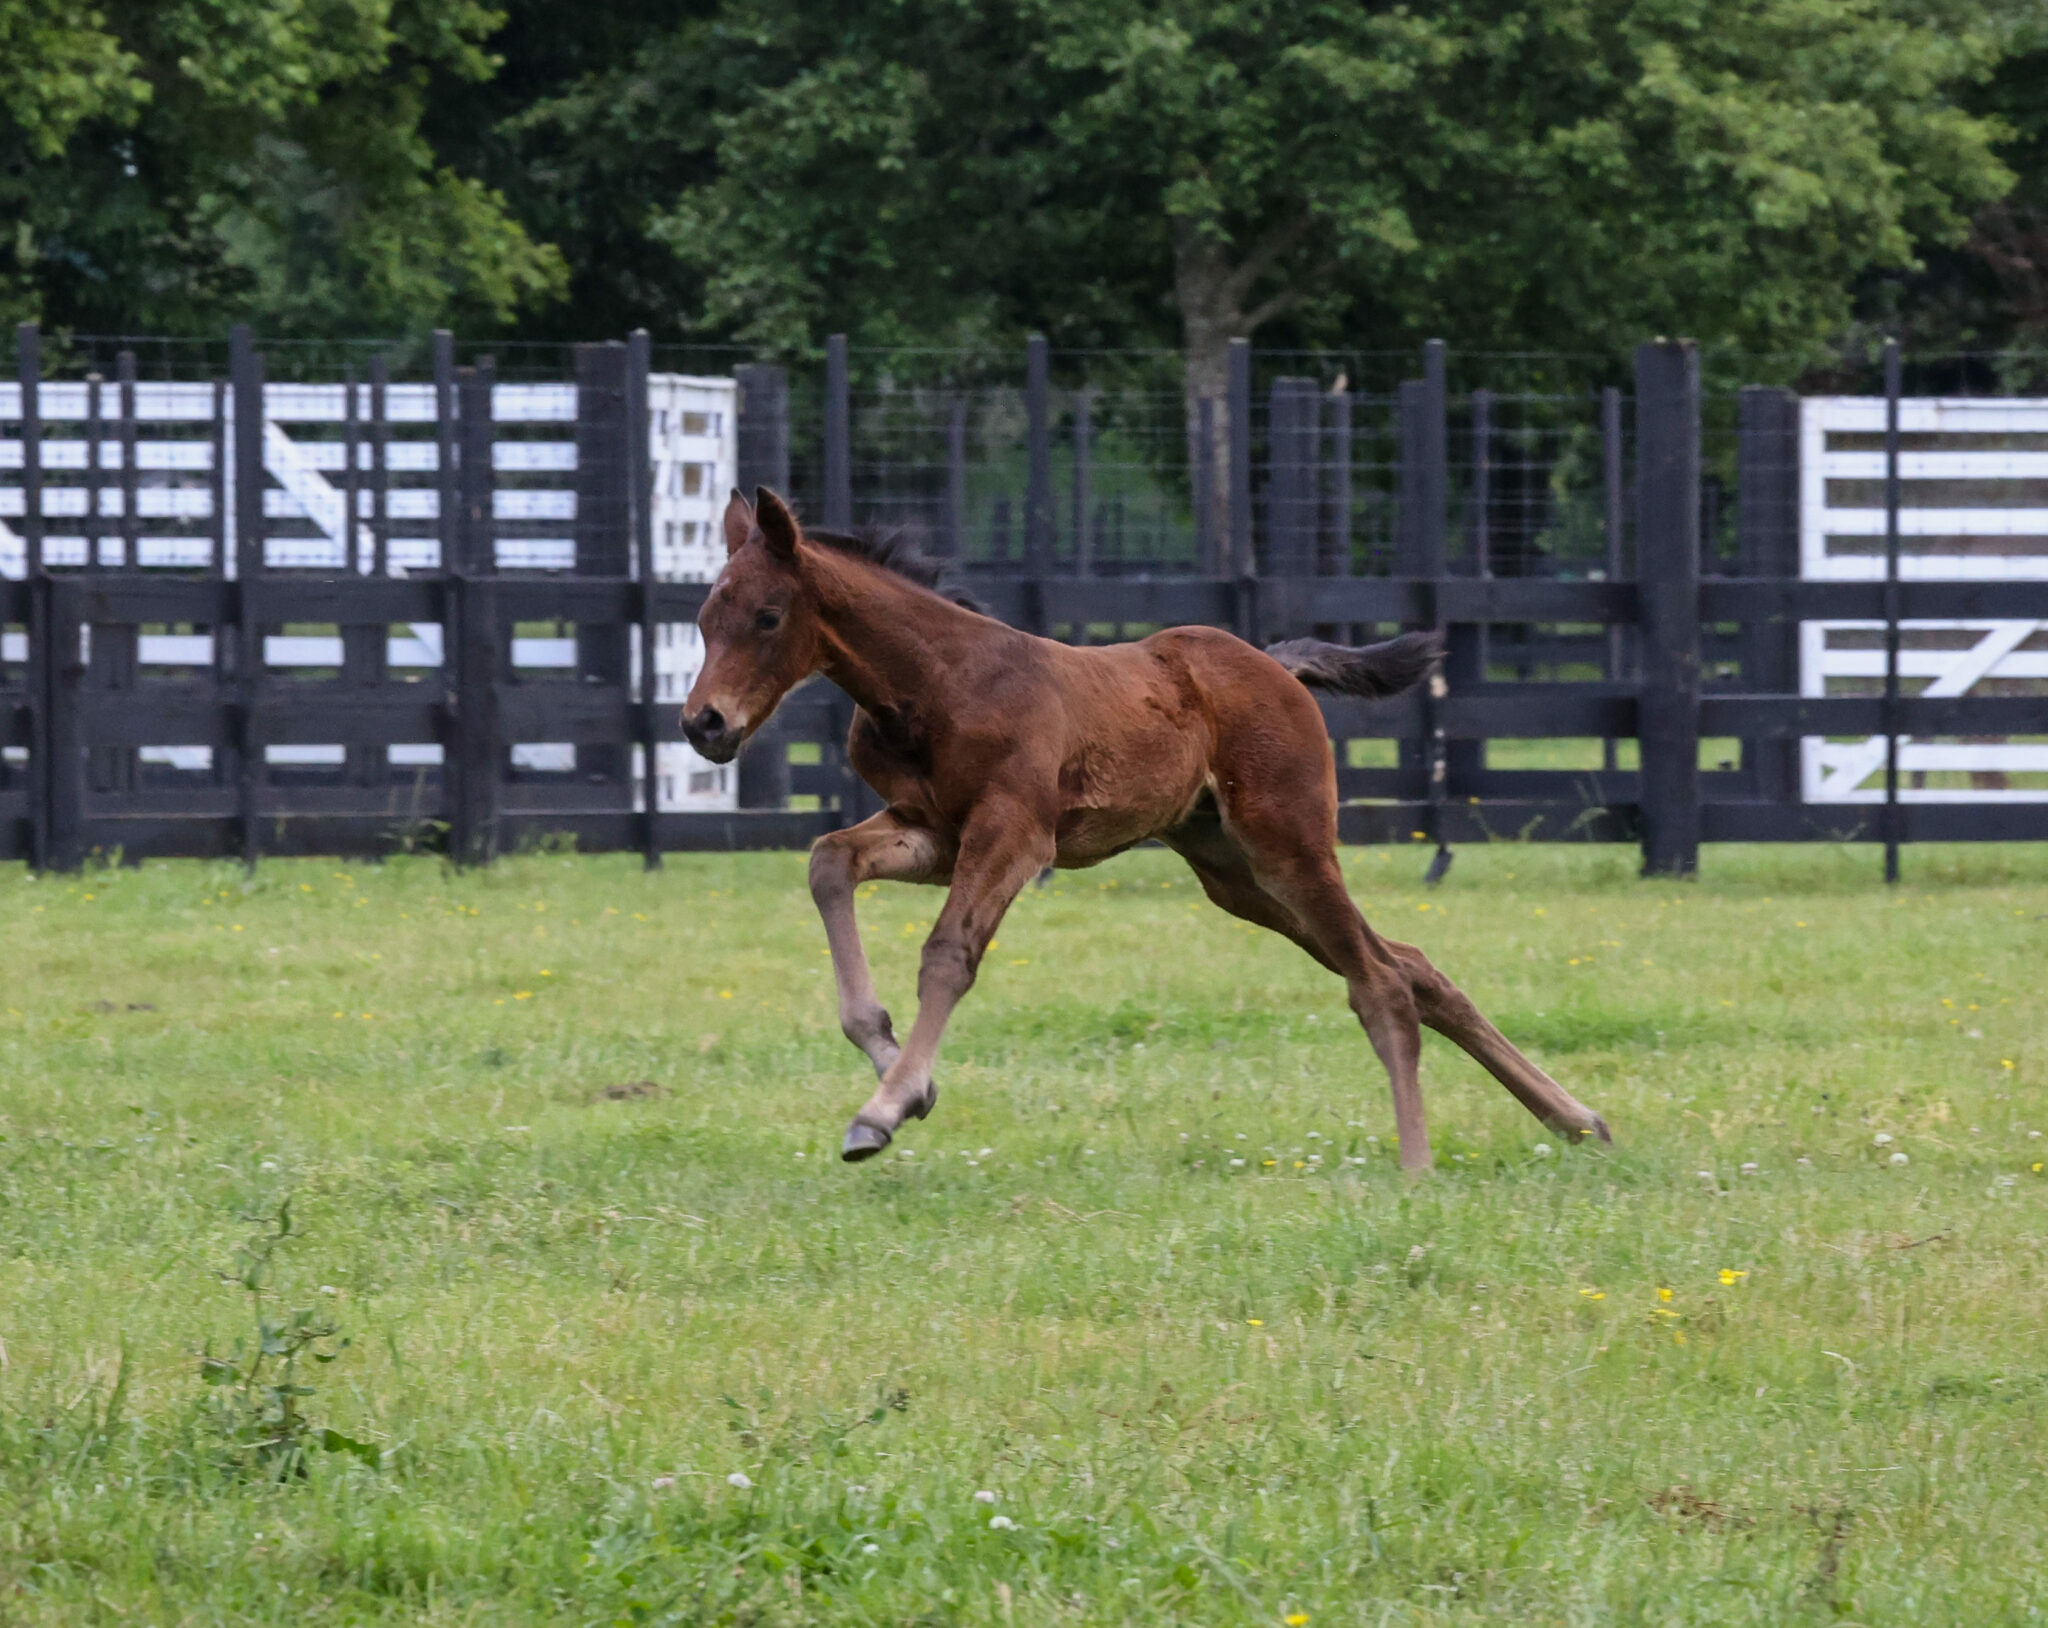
895	550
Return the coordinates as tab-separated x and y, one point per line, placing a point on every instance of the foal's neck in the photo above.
887	641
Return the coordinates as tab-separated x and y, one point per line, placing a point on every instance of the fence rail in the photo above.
375	615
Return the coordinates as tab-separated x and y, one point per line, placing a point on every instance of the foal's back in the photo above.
1152	729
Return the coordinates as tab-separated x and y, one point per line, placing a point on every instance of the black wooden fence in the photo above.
1657	650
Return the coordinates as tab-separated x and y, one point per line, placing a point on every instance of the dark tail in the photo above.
1370	670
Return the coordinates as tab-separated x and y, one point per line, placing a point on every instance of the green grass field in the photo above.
1143	1326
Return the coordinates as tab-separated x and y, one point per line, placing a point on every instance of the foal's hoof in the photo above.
863	1141
1597	1128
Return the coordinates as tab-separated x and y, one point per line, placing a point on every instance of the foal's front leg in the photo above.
879	849
1003	846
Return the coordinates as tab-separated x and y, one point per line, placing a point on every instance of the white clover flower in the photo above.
1749	1168
870	1548
1541	1150
1881	1139
663	1482
984	1497
984	1153
1900	1158
1237	1164
739	1479
1001	1523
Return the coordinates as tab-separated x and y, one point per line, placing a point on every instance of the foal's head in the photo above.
759	625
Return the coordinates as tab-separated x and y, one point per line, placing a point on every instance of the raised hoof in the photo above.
925	1104
863	1141
1583	1133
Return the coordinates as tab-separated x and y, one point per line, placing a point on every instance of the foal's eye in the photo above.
768	619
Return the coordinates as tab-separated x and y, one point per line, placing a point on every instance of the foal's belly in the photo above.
1125	791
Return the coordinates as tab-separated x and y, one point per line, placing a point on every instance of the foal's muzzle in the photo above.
711	735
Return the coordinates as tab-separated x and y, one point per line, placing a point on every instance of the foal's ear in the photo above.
779	529
739	523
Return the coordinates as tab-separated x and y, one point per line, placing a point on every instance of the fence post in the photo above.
1767	531
28	373
1038	526
245	376
364	645
1242	563
478	752
1291	418
1668	572
380	468
953	528
1613	495
1421	543
838	437
640	521
1084	488
1333	554
761	778
1891	610
762	428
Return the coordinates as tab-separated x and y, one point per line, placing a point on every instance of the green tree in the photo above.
1561	174
174	164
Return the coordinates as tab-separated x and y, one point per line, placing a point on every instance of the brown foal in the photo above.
999	753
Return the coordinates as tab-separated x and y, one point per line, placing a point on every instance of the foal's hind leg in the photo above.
882	848
1394	989
1301	895
1449	1010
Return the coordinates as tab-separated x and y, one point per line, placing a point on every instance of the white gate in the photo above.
184	458
1973	507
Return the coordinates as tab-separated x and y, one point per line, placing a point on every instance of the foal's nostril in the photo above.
710	722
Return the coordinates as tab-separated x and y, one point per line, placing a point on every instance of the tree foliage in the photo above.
1567	174
172	163
1564	175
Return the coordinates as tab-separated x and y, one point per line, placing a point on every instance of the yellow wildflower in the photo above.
1729	1275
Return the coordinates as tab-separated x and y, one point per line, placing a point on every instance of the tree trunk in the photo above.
1212	291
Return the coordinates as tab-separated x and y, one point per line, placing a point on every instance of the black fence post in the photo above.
640	520
1668	572
1891	610
1421	549
1613	520
1084	490
1038	521
953	522
1292	412
1242	564
761	777
28	353
838	437
761	432
1767	533
364	645
245	376
1333	553
112	658
478	753
380	469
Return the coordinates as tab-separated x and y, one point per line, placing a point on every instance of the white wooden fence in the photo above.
184	464
1974	507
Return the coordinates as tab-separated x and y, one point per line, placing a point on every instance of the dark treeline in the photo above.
1782	178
